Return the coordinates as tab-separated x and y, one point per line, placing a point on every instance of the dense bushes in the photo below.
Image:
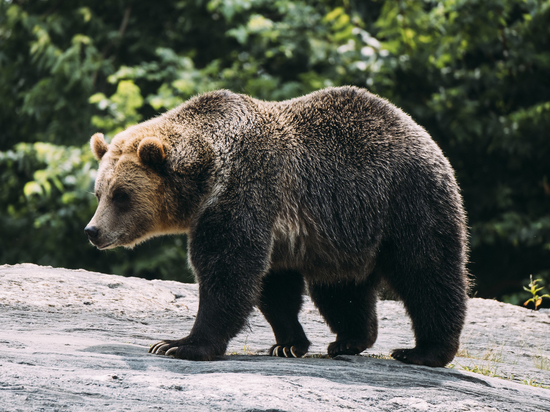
473	72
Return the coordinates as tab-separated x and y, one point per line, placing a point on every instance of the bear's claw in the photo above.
160	348
287	351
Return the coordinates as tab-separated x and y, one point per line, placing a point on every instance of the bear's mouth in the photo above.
103	246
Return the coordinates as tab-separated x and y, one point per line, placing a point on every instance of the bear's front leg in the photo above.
280	303
229	255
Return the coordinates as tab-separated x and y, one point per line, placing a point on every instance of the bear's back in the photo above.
348	119
353	164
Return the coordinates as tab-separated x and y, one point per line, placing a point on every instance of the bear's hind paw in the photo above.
347	347
435	356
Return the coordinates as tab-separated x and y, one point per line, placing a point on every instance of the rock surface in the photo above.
77	341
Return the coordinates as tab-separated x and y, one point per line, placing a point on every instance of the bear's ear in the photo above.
99	145
150	151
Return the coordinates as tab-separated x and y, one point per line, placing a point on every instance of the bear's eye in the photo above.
121	198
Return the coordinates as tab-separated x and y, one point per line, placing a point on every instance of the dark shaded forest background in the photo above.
474	73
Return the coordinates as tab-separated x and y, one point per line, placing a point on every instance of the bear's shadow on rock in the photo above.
343	369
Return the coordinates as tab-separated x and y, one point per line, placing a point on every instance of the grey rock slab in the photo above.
77	341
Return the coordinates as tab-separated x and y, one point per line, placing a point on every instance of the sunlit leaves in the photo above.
121	108
48	184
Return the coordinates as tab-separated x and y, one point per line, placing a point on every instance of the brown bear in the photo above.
338	189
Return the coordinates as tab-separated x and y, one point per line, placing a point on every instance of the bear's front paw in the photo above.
189	349
347	347
289	350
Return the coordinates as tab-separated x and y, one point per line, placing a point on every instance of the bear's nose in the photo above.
92	232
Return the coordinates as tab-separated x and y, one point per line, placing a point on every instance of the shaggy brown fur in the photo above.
338	189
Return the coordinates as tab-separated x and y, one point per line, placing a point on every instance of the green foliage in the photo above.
121	108
534	290
474	73
44	198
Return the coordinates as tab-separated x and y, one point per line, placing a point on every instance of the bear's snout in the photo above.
92	232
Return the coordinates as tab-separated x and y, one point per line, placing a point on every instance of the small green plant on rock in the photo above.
485	370
541	362
536	384
534	290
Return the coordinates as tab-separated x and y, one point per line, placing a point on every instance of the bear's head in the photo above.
130	190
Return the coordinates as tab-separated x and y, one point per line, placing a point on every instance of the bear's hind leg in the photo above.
280	303
436	305
350	311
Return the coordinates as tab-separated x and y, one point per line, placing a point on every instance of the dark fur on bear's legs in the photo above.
280	302
350	311
437	321
436	303
228	288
